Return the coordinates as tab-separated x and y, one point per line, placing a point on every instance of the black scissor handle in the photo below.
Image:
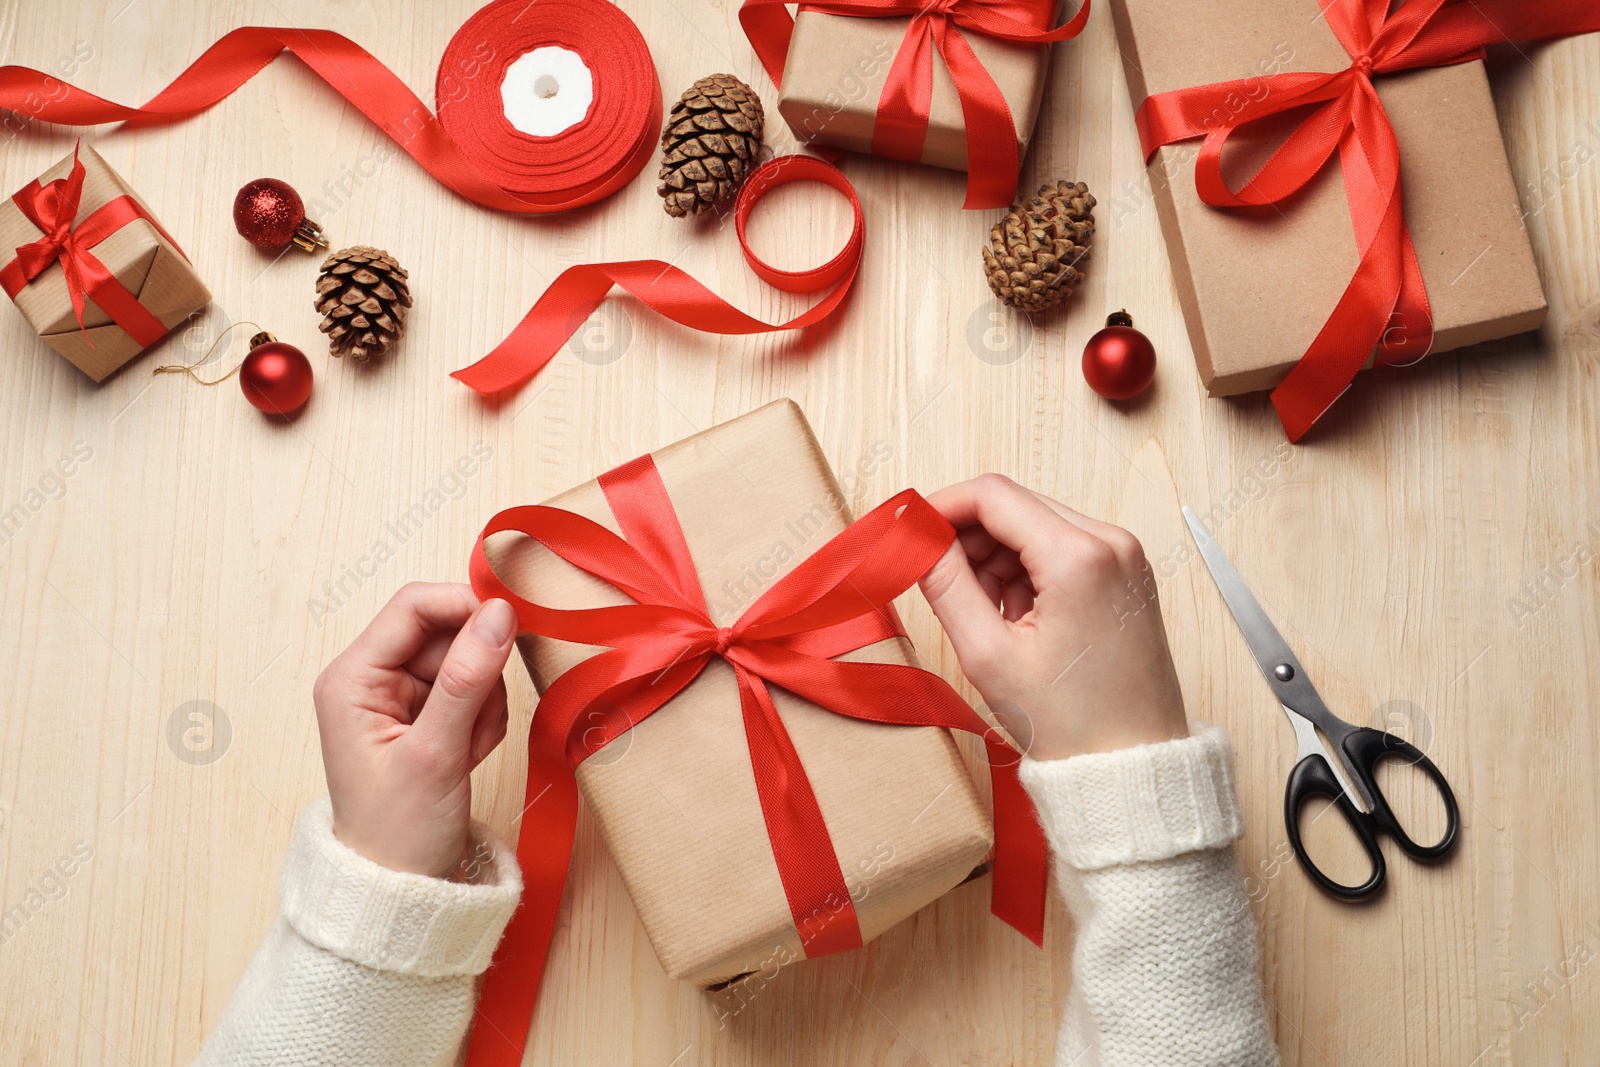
1311	778
1367	748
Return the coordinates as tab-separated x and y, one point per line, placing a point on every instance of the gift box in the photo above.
837	67
129	283
675	797
954	85
1257	285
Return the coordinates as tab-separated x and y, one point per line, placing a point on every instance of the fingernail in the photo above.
494	625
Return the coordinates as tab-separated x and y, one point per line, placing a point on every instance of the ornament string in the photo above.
189	368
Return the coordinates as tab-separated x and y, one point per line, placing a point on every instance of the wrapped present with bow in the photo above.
1331	182
949	83
725	682
90	268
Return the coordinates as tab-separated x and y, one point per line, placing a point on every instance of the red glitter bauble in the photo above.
275	377
1119	362
267	212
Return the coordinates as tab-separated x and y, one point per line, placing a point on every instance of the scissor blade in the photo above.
1267	645
1272	653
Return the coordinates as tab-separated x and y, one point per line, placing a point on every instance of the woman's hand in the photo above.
1054	618
406	712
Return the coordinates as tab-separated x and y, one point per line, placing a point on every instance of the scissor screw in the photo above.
1283	672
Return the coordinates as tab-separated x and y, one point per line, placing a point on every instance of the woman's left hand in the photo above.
405	713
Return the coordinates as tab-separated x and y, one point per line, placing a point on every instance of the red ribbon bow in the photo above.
835	601
1385	307
902	121
52	208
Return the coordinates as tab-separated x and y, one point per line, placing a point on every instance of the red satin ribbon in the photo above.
1384	308
936	25
544	174
837	600
670	292
52	208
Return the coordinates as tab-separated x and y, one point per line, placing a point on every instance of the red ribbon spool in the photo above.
580	165
544	174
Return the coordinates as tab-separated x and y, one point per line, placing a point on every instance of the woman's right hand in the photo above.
1054	618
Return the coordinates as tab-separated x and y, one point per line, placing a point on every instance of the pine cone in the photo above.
711	142
363	297
1035	253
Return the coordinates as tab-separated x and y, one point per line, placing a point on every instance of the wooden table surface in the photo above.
1432	554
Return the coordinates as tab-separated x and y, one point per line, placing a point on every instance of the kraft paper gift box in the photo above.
675	797
141	257
838	64
1257	287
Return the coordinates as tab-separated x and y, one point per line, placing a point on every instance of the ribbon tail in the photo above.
544	849
992	149
1021	853
819	899
901	125
1349	336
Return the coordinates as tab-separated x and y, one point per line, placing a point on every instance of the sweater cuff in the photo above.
393	920
1136	805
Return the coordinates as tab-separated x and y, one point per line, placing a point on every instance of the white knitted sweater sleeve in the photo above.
367	966
1164	967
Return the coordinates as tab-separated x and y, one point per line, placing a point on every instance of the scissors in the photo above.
1357	749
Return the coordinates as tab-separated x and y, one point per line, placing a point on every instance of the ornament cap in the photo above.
308	236
1119	318
262	338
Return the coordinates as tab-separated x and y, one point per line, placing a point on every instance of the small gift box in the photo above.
721	671
1388	225
944	84
91	269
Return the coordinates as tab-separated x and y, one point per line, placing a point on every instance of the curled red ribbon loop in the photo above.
835	601
902	121
670	292
541	175
52	208
1385	307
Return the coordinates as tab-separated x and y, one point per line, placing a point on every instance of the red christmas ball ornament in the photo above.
1119	362
275	377
270	214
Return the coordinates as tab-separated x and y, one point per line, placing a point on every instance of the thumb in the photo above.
468	677
964	610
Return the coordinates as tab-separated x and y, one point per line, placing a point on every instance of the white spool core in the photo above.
546	91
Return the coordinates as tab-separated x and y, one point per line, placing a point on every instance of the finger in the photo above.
1017	598
1003	563
411	615
1129	553
977	542
427	660
490	728
1014	516
967	613
468	677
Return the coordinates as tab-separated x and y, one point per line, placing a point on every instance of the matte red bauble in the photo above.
275	377
1119	362
270	214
